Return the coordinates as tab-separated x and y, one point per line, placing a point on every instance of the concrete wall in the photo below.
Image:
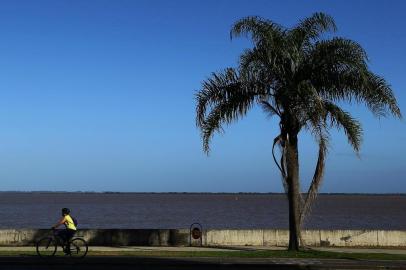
216	237
339	238
102	237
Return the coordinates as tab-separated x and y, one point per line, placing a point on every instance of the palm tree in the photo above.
299	76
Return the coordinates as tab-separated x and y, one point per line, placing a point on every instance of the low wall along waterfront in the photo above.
215	237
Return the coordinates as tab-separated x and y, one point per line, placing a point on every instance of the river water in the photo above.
160	210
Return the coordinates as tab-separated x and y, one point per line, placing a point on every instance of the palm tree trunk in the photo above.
292	164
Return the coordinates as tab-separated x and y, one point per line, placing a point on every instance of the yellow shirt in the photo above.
69	223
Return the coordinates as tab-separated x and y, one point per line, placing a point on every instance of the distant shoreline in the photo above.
198	193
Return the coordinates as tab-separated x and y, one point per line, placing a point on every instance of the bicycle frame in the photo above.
55	240
58	239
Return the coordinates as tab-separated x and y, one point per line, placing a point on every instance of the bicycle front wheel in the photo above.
78	248
46	247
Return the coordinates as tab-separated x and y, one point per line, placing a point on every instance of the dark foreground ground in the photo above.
123	262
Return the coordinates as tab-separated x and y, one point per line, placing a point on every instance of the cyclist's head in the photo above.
65	211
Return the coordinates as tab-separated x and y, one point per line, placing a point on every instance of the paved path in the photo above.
129	248
397	251
365	250
228	248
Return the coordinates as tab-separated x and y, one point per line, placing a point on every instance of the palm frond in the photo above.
282	147
253	59
311	29
225	112
318	174
342	119
278	141
215	89
257	28
336	53
378	95
269	109
225	97
338	69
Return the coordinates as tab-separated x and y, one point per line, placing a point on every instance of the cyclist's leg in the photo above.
69	236
61	234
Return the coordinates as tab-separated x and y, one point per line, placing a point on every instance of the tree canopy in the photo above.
299	75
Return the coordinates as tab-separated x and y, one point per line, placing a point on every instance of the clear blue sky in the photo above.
99	95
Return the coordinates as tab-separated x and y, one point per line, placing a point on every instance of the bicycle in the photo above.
47	246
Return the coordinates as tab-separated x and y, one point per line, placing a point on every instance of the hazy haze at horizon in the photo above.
99	96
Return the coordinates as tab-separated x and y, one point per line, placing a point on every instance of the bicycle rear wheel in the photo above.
46	247
78	248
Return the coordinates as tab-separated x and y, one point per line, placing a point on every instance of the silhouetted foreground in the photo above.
117	262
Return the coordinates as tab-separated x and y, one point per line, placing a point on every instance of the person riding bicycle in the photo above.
70	228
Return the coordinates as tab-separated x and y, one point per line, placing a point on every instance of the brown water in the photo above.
132	210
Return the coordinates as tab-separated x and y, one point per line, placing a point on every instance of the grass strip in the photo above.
234	254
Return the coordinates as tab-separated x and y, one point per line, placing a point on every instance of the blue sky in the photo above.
99	96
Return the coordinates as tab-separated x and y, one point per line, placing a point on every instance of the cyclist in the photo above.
70	228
